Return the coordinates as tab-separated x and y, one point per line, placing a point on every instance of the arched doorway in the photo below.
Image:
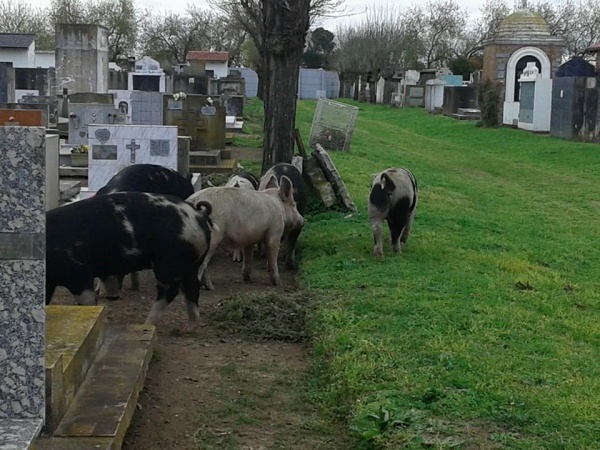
521	64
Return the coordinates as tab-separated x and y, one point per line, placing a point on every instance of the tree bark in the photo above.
285	26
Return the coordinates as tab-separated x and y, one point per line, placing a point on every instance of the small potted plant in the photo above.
79	156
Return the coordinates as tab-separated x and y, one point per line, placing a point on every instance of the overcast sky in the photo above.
355	7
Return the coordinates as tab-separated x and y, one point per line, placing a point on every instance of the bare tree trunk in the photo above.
285	25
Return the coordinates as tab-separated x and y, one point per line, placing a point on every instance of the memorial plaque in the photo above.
159	148
208	110
108	152
175	104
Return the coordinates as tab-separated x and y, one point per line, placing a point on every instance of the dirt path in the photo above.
215	389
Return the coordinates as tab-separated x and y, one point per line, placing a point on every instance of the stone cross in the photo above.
132	148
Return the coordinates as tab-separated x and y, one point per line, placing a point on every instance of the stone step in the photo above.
104	405
467	111
19	434
205	158
69	189
69	171
466	116
226	166
74	335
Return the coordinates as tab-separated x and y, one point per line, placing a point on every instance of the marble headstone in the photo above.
113	147
83	114
22	284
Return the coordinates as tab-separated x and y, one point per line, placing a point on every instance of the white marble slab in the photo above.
113	147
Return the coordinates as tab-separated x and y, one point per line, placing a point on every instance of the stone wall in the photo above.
22	284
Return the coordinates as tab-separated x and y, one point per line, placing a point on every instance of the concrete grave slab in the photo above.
113	147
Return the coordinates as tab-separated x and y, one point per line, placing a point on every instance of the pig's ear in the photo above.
272	183
286	188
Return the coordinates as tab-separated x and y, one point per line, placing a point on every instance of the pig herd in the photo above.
149	217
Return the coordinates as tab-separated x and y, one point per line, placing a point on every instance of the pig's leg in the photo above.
290	248
272	249
190	286
206	282
407	228
247	264
135	281
377	237
83	290
112	286
166	291
397	221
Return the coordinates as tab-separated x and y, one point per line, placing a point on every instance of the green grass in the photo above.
484	332
252	131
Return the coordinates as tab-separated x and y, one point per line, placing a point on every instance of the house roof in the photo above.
16	40
207	56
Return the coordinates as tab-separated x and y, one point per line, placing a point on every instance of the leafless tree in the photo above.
20	17
437	26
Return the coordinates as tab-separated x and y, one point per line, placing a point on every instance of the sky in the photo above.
355	8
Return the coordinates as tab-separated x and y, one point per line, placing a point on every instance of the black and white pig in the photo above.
243	180
300	196
394	196
245	217
125	232
151	178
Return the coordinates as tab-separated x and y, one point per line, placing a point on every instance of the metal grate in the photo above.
333	125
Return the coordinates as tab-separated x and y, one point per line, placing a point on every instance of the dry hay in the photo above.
265	316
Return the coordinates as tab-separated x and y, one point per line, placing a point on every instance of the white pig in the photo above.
245	217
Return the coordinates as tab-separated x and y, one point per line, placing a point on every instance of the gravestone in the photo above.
146	108
82	57
195	117
22	285
113	147
52	164
16	117
234	103
7	82
43	109
48	100
535	100
81	115
91	97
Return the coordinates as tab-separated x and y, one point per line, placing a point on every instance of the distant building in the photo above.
18	48
216	62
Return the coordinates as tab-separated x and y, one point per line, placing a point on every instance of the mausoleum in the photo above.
522	37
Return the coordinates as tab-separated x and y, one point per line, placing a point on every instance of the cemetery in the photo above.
481	332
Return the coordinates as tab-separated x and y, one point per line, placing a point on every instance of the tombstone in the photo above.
192	84
91	97
147	76
434	94
34	81
414	96
456	97
113	147
24	118
234	103
535	100
7	83
81	115
22	285
195	117
49	101
146	108
82	57
380	89
52	164
576	108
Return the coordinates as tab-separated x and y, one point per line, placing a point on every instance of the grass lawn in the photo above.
485	331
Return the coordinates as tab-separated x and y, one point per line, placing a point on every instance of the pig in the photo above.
123	232
244	180
245	217
151	178
290	235
394	196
